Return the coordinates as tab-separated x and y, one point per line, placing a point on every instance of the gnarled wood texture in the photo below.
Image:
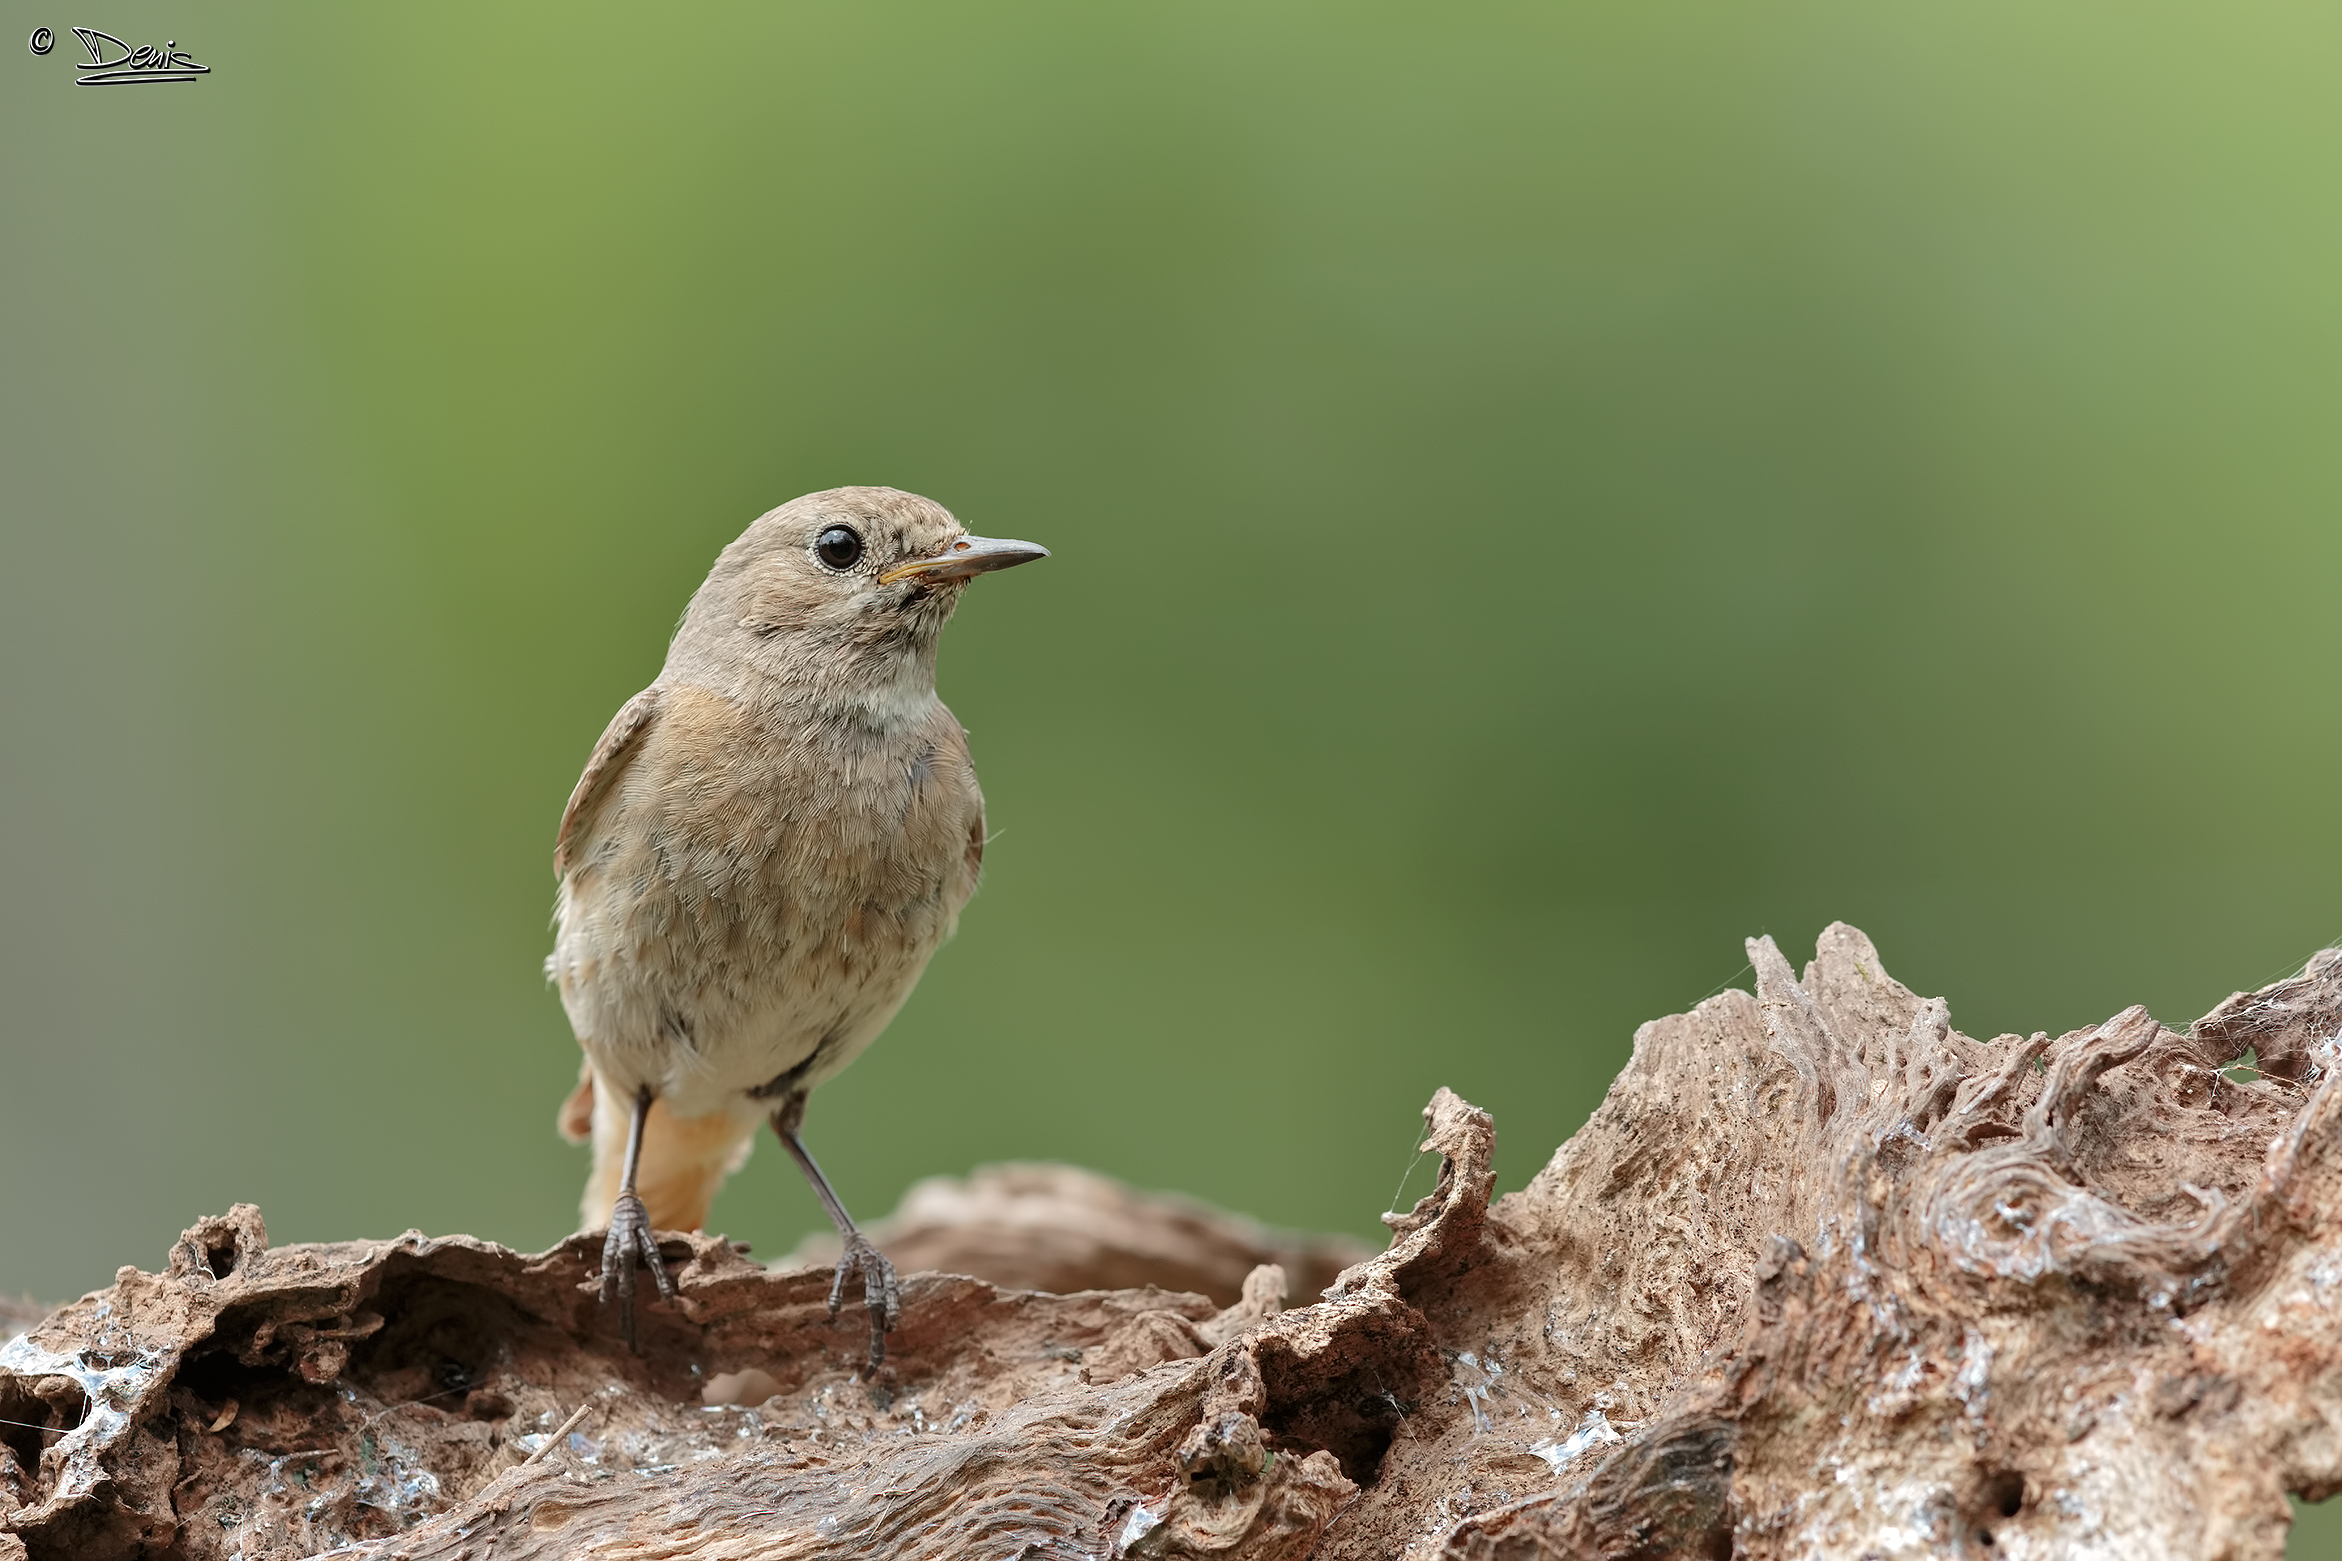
1822	1277
1058	1227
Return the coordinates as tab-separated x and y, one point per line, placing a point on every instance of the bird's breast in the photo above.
759	881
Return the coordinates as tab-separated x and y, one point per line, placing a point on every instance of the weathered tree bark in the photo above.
1822	1277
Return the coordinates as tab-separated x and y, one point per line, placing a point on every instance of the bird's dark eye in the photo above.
839	547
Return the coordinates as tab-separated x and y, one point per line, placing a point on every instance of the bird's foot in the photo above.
881	1291
630	1240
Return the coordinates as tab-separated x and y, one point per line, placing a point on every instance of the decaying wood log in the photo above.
1061	1228
1822	1277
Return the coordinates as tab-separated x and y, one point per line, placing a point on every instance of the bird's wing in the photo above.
620	741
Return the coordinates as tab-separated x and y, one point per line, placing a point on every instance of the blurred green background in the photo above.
1540	492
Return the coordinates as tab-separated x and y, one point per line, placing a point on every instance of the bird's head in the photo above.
847	588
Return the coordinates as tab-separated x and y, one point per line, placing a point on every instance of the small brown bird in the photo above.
765	848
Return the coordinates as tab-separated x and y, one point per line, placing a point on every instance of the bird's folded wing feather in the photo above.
620	740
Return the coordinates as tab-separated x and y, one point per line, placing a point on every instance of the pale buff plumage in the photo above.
767	844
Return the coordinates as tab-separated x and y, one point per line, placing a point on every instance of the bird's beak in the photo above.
968	556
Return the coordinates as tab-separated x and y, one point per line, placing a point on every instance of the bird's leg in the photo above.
881	1292
630	1233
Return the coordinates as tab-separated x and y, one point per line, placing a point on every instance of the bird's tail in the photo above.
684	1159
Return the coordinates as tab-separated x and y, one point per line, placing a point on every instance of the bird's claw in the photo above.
881	1291
630	1241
